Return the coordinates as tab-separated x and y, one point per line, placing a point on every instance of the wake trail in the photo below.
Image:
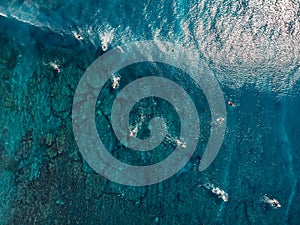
287	149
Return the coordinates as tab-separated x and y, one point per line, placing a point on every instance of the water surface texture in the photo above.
252	48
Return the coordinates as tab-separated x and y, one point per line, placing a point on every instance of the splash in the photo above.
106	39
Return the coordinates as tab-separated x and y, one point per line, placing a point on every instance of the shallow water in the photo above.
253	50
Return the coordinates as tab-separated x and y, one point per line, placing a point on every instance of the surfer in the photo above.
217	191
55	67
78	36
133	132
220	120
230	103
104	47
180	144
274	203
115	82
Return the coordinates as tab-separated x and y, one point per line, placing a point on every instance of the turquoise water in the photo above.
253	50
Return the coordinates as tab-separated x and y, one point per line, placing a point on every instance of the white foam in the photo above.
106	39
254	47
25	21
3	14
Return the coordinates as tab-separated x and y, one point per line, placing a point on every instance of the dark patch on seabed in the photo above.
44	179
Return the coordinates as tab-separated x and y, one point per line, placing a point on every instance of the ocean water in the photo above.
252	48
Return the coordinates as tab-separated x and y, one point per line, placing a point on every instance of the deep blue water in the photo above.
253	50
